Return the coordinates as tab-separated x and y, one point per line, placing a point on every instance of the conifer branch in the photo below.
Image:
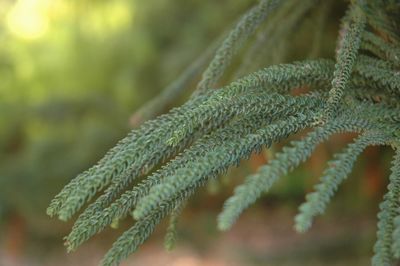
170	235
268	39
173	90
285	161
154	170
233	42
271	107
136	235
381	73
380	48
378	19
220	159
352	30
389	211
116	160
333	176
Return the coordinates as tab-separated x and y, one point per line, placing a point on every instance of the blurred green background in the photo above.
71	75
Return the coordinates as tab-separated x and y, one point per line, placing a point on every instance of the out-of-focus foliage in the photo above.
72	73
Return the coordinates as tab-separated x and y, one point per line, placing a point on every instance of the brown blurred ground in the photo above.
261	237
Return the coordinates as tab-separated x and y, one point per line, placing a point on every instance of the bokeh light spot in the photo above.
27	19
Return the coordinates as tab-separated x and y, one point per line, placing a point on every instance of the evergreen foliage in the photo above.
337	171
154	170
387	241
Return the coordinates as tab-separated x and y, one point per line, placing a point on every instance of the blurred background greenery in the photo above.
71	75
